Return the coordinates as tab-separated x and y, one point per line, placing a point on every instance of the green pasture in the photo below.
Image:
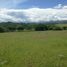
33	49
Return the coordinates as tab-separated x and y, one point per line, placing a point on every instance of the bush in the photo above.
20	28
40	27
64	28
2	29
57	28
51	27
11	29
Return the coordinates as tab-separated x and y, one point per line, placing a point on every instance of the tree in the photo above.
40	27
65	28
2	29
11	29
57	28
20	28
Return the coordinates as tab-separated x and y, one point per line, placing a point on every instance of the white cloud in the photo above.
58	6
37	14
33	14
64	7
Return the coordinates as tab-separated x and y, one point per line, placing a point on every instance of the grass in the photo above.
33	49
62	25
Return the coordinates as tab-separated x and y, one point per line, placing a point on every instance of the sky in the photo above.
33	10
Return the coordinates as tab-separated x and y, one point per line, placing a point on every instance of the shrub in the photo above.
57	28
64	28
20	28
2	29
11	29
40	27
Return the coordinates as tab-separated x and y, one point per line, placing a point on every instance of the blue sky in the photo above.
30	3
33	10
41	3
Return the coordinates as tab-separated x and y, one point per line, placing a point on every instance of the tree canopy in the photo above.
12	27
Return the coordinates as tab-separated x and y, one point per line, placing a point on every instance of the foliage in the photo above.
2	29
20	28
65	27
12	27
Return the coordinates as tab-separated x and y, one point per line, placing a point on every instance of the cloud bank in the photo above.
58	12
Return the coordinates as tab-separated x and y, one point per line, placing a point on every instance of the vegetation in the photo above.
2	29
33	49
12	27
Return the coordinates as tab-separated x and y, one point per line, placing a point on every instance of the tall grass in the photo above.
33	49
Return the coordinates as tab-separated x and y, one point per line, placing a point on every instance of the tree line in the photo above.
12	27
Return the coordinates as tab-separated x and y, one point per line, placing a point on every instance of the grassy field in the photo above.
33	49
61	25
